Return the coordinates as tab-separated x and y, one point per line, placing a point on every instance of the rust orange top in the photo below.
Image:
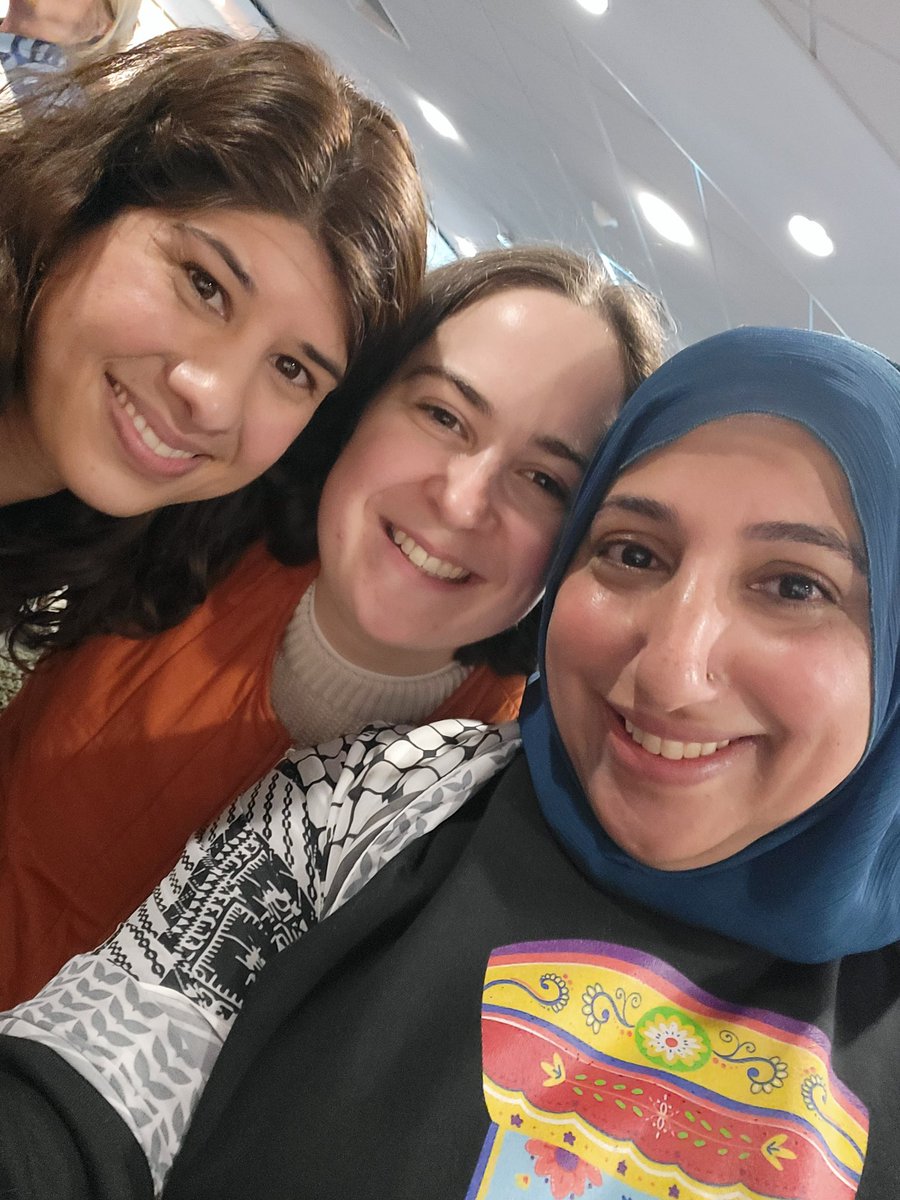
115	752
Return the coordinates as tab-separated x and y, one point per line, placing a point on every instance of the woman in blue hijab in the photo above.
678	907
824	883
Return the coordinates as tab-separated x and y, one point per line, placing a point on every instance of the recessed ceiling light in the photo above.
595	7
466	247
811	236
438	121
664	219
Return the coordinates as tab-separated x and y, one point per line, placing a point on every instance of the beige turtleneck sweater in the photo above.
319	695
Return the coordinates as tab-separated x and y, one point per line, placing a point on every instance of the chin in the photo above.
661	857
111	504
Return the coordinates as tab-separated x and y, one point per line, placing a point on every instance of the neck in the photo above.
352	644
65	22
24	473
318	695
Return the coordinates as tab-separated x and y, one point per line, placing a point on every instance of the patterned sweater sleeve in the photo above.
143	1018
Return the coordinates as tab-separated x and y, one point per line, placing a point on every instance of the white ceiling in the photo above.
740	113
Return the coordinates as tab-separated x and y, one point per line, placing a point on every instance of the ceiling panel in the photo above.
758	288
564	116
795	14
874	21
870	79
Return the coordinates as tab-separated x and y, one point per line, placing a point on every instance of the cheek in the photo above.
818	695
349	484
578	636
115	312
823	680
527	548
374	461
841	684
577	672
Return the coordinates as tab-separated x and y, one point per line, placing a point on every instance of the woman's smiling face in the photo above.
175	357
708	659
437	521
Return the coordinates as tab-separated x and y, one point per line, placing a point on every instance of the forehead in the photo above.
772	459
508	320
533	355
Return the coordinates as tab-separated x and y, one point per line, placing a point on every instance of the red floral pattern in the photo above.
567	1174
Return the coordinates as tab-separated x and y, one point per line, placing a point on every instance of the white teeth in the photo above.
426	562
146	434
668	748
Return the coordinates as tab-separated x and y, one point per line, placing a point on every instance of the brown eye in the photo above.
441	416
800	588
292	370
797	589
630	554
207	288
549	485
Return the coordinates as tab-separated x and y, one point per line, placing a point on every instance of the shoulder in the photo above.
391	759
370	797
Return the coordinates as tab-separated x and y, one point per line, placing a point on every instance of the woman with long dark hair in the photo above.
197	234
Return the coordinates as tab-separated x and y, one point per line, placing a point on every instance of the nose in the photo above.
464	491
210	390
681	658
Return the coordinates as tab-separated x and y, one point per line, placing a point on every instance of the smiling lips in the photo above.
437	568
668	748
143	430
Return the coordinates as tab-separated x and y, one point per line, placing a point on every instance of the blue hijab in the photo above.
827	883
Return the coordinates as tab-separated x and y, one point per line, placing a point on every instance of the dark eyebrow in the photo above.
766	531
319	358
810	535
227	255
465	389
552	445
644	507
224	252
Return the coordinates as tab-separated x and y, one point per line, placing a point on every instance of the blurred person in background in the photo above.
42	36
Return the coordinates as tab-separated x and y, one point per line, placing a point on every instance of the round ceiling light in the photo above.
665	220
438	120
810	235
595	7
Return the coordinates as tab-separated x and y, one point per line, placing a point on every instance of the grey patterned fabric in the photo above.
24	61
144	1017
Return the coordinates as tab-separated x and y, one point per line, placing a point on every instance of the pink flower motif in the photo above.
567	1174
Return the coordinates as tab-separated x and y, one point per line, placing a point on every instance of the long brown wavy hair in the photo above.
191	120
635	316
